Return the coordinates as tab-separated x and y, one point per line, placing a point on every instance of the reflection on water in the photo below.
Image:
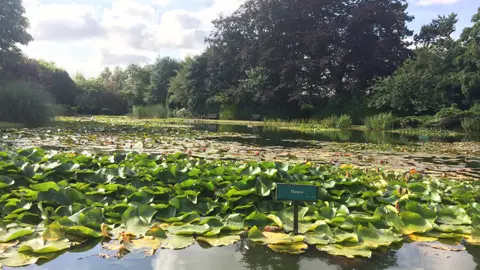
267	135
247	256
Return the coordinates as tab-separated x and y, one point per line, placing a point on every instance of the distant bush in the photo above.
150	111
183	113
329	122
25	102
228	112
475	110
344	121
471	124
380	121
448	117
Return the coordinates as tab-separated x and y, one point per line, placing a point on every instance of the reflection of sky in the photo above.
409	257
415	257
194	257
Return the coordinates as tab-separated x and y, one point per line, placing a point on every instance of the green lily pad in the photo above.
177	242
219	240
349	251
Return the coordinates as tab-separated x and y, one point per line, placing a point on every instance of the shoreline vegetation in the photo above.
305	126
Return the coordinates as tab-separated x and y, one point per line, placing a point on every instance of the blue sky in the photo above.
89	35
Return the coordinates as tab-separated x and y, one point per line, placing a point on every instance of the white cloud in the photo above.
122	32
161	2
435	2
66	22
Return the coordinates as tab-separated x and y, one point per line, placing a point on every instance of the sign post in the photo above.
296	193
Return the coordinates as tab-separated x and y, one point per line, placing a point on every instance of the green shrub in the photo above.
380	121
150	111
471	124
344	121
25	102
183	113
329	122
228	112
475	110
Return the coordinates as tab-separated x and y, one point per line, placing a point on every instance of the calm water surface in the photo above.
245	255
273	136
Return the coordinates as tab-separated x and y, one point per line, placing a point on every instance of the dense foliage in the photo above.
282	59
24	102
148	201
443	71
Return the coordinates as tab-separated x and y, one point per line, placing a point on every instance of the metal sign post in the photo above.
296	193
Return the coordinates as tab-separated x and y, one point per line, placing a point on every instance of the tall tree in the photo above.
310	48
13	24
162	71
437	31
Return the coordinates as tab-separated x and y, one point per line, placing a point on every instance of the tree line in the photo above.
280	59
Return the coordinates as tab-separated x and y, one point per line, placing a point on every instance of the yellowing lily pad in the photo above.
177	242
273	238
219	240
293	248
349	251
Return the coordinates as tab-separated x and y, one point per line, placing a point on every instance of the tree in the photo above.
437	31
311	49
137	84
469	60
162	71
13	24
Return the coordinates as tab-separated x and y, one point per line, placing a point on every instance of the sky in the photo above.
88	35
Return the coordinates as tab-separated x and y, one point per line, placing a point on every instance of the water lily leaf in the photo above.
340	236
264	186
177	242
16	259
81	232
188	229
233	222
293	248
6	181
256	218
156	231
422	238
322	235
15	233
137	218
453	215
273	238
453	228
219	240
373	238
44	187
38	245
147	243
409	222
423	210
349	251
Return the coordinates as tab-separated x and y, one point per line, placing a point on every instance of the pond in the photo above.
246	256
446	157
268	135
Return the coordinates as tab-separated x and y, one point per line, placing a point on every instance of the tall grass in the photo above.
150	111
26	103
471	124
380	121
333	121
344	121
329	122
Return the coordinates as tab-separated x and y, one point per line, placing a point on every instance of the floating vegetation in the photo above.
55	201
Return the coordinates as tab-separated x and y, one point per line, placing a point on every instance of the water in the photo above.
247	256
266	135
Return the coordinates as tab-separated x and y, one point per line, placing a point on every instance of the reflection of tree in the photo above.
258	257
475	252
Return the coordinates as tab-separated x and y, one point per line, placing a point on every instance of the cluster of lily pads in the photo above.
131	202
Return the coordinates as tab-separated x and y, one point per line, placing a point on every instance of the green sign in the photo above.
290	192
